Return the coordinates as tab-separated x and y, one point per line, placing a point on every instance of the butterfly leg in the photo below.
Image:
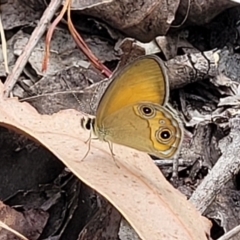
88	142
110	145
89	139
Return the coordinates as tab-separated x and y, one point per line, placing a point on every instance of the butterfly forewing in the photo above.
143	80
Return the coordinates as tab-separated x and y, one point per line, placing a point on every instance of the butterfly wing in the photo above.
143	80
148	127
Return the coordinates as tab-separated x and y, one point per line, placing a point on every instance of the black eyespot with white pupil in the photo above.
147	111
165	134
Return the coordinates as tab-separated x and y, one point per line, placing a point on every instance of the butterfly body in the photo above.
133	110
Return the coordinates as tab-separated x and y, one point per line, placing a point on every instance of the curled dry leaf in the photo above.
142	20
146	19
136	188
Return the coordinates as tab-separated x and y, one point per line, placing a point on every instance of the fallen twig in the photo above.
4	45
227	165
84	47
230	234
36	35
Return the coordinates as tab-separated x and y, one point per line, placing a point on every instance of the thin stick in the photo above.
4	45
36	35
230	234
84	47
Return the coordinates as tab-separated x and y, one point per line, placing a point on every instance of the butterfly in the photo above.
134	110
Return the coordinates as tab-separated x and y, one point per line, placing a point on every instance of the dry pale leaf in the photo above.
136	188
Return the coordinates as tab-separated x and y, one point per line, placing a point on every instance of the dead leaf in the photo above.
78	5
103	225
63	52
29	223
136	188
14	14
142	20
203	13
